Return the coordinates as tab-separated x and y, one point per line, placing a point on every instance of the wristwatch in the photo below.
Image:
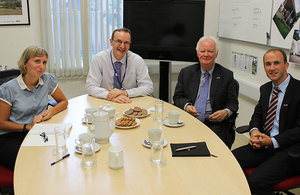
24	129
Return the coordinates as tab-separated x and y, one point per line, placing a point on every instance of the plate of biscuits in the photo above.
136	112
127	122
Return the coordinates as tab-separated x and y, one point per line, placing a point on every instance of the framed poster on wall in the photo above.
14	12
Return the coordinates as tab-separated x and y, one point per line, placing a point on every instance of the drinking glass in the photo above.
60	141
88	154
159	109
156	153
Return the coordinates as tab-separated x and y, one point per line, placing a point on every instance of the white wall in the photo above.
14	39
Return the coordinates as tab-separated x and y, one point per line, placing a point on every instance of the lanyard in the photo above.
120	82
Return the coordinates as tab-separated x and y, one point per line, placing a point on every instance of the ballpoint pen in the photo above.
185	148
60	159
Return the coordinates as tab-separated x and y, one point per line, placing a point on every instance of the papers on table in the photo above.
34	139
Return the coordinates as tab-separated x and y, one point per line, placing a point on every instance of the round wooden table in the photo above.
181	175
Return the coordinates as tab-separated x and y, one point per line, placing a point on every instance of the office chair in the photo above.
233	127
6	180
7	75
285	185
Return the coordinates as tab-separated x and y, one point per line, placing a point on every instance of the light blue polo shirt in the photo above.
26	103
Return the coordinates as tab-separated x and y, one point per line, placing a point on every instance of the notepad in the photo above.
200	150
34	139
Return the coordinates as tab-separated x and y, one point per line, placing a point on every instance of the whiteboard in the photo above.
245	20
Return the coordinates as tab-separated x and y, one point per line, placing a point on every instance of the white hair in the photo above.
205	38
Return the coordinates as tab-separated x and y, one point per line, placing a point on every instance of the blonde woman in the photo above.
24	101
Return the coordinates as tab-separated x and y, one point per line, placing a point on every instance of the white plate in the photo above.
83	120
148	112
166	122
138	122
97	148
149	146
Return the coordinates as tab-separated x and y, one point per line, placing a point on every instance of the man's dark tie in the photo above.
201	105
117	75
271	111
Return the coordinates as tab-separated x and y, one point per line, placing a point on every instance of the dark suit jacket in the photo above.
223	90
289	117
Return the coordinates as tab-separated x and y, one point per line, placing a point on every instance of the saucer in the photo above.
97	148
166	122
149	146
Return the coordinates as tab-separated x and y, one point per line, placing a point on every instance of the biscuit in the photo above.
129	112
137	109
144	111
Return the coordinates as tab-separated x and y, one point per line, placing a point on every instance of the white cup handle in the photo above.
90	119
77	141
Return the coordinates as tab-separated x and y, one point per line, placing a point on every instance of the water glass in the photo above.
156	153
159	109
60	141
88	154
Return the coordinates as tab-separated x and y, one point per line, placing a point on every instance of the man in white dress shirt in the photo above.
104	80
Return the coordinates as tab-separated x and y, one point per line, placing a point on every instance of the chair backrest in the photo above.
237	86
7	75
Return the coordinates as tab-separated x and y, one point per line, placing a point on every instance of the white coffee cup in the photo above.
173	117
90	137
90	110
154	134
116	159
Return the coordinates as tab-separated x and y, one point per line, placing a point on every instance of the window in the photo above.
75	30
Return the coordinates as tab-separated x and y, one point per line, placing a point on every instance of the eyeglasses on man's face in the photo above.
119	42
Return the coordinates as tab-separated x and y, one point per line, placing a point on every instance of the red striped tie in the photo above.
271	112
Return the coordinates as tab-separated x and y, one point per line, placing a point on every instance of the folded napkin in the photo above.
200	150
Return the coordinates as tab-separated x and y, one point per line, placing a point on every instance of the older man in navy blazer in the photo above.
273	151
222	99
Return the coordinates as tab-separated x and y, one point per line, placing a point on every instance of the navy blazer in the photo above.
223	93
289	117
223	90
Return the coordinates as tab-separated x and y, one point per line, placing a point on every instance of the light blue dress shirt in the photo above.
26	103
208	111
275	128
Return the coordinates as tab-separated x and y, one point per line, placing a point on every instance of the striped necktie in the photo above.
271	111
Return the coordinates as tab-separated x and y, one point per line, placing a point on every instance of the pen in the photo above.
60	159
185	148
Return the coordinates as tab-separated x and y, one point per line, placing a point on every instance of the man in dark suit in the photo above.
221	102
272	142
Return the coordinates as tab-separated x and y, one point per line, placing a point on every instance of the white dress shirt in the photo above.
136	82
